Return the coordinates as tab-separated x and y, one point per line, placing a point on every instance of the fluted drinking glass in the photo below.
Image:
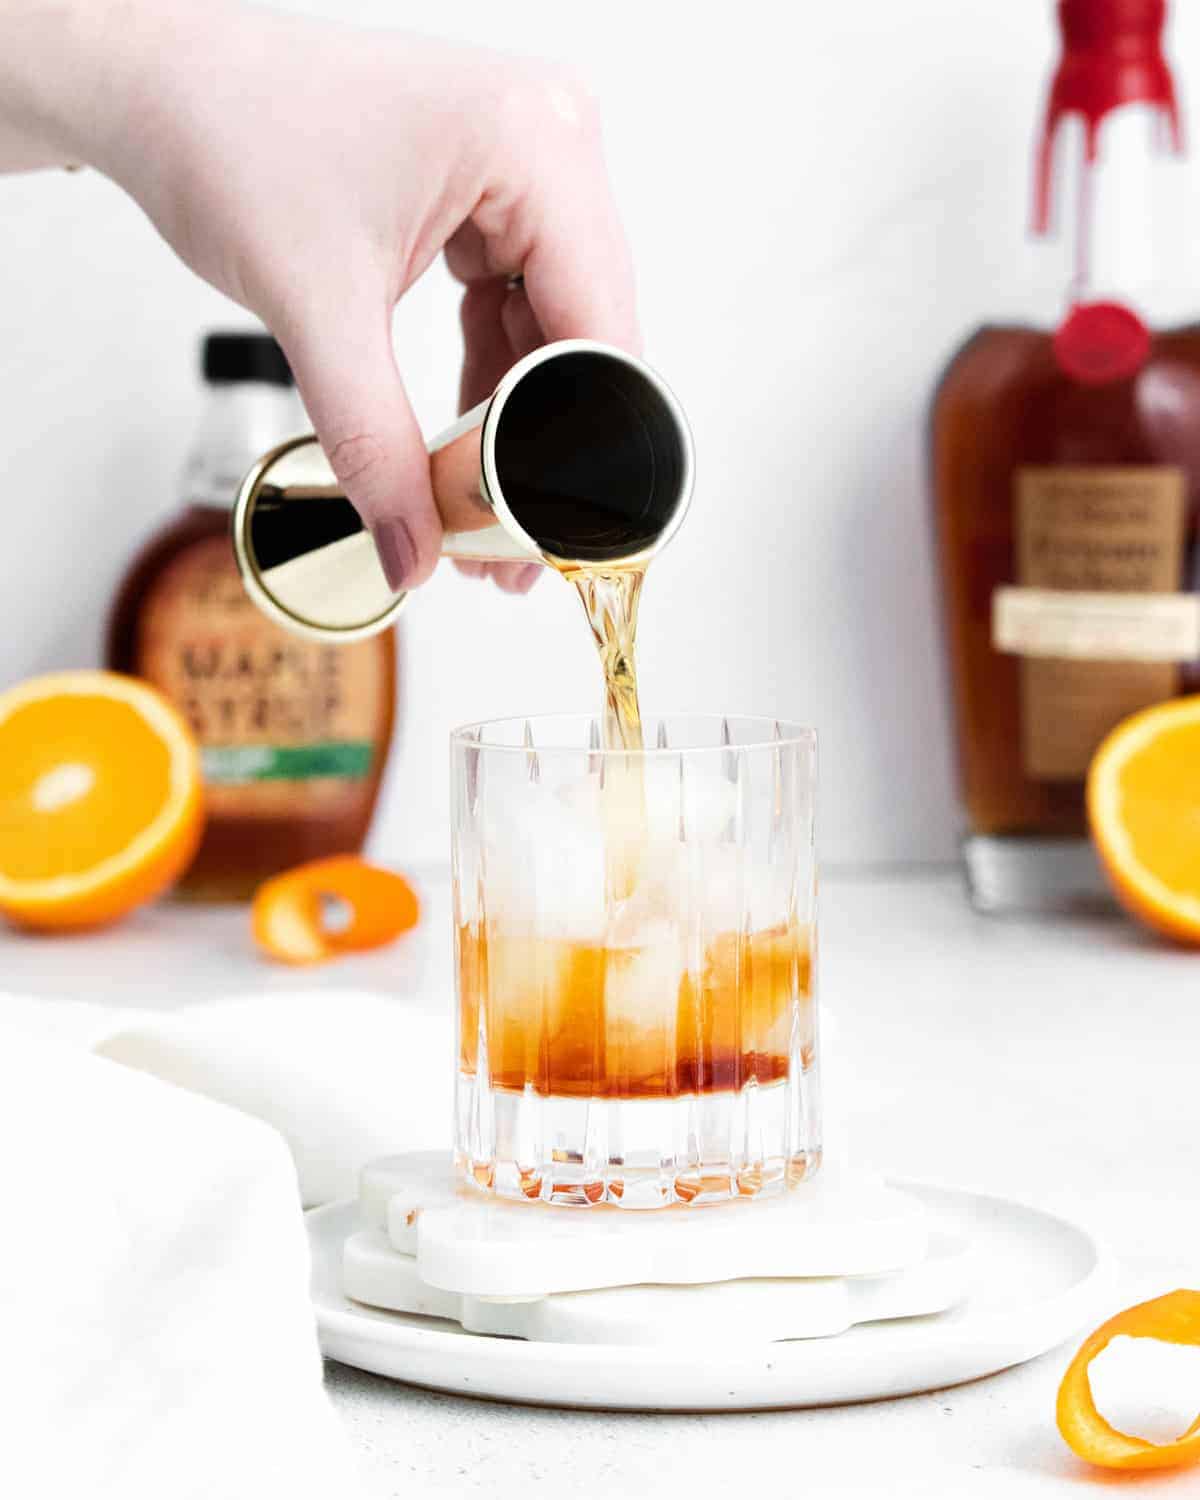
636	946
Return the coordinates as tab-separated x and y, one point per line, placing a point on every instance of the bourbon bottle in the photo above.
294	734
1065	467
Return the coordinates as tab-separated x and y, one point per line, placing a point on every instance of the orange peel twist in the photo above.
288	915
1174	1319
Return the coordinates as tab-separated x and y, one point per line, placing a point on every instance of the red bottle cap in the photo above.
1099	342
1111	55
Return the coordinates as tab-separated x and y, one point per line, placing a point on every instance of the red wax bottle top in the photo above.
1111	56
1101	341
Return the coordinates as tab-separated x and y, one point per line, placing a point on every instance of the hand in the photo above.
312	172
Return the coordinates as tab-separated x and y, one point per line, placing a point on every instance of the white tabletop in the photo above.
1051	1062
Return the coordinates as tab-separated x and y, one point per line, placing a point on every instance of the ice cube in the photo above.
641	984
543	869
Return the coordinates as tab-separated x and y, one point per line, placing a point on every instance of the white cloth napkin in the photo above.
344	1075
153	1294
153	1261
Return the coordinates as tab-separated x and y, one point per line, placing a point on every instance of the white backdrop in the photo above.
822	200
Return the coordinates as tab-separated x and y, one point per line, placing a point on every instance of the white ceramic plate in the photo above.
1036	1280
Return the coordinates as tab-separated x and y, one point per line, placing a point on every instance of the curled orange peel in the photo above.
290	919
1174	1319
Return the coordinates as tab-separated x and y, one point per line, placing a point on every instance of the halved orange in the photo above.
1143	799
101	801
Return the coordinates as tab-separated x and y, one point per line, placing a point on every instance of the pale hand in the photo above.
312	172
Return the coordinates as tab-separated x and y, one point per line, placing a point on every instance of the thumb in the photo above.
347	375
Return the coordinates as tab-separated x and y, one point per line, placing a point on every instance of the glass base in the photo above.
638	1153
1020	874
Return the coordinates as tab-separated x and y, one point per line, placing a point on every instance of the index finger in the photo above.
579	275
578	270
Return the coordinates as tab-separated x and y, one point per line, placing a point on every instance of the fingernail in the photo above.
397	555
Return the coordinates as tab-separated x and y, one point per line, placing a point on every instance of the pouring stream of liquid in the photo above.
610	601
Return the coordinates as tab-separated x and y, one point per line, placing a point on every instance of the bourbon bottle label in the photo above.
287	727
1091	532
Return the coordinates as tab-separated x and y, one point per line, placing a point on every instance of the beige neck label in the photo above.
1083	533
1096	627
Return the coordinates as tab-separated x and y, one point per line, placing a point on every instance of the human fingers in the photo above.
347	375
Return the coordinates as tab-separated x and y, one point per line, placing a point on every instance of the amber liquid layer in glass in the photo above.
1004	404
578	1020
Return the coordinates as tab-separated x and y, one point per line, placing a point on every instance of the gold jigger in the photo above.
582	454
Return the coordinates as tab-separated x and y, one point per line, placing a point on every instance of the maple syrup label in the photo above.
1097	551
287	727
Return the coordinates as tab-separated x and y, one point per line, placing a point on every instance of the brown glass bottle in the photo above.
294	734
1006	412
1065	467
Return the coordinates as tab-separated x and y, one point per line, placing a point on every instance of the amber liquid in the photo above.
235	675
579	1020
583	1020
1004	404
610	601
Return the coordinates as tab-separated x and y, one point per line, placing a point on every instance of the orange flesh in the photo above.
569	1019
1161	806
1143	798
101	800
129	766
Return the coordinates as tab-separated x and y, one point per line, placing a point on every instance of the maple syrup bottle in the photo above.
294	734
1065	464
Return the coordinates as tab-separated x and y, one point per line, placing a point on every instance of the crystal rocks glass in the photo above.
636	944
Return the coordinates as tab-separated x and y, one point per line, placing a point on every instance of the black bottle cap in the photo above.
245	356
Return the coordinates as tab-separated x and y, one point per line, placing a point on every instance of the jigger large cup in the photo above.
582	454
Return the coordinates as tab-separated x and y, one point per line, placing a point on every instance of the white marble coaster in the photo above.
1034	1281
753	1311
842	1223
